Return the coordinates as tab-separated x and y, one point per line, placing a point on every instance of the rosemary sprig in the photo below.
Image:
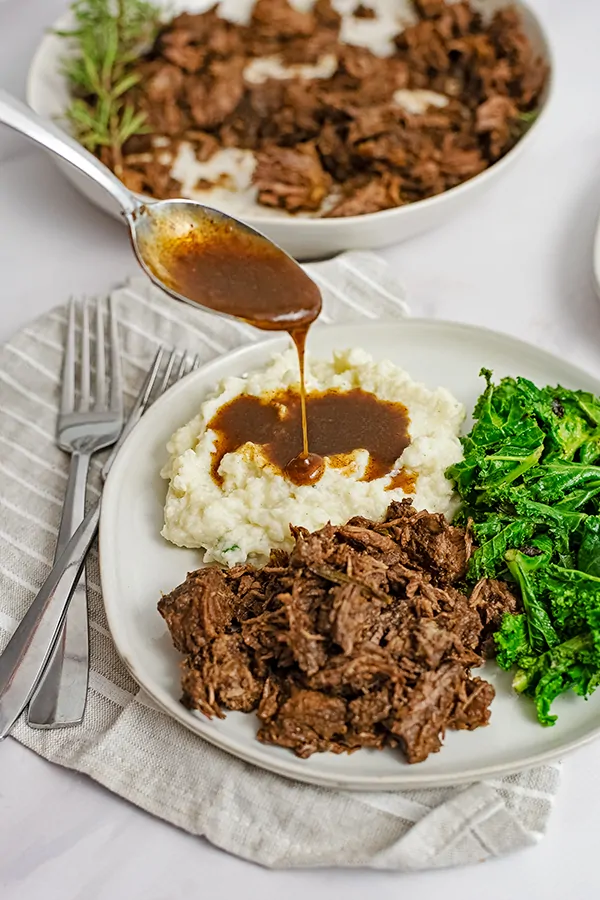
108	37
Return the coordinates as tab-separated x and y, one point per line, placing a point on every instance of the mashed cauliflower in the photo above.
250	513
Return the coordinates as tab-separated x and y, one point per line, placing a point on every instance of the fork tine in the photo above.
67	401
196	362
146	391
139	407
116	373
183	367
100	360
84	402
167	376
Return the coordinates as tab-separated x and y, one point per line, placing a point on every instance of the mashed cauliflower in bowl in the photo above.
250	512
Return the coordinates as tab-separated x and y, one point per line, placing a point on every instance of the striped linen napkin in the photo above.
125	742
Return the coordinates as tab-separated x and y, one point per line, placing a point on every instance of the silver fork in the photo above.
25	656
82	429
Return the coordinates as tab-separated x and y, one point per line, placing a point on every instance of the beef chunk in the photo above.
263	633
205	144
373	195
357	638
279	20
213	98
306	723
369	709
221	675
164	85
420	719
368	666
472	709
497	116
145	174
430	543
159	99
432	642
326	16
191	40
381	546
366	717
364	12
198	610
353	615
292	179
491	599
307	648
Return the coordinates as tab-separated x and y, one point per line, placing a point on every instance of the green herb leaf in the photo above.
107	38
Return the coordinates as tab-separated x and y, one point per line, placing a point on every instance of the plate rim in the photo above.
292	768
596	257
289	223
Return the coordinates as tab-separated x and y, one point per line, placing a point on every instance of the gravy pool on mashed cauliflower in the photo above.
250	512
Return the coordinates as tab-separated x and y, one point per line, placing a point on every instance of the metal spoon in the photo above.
152	224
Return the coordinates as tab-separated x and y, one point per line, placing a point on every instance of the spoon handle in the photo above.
44	132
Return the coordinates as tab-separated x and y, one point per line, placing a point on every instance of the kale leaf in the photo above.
530	489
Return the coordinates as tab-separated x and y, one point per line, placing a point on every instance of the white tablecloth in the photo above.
519	262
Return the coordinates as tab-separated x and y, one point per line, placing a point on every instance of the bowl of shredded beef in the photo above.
364	636
341	146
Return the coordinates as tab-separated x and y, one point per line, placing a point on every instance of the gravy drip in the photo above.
339	423
305	467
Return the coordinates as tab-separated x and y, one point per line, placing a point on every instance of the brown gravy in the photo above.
338	422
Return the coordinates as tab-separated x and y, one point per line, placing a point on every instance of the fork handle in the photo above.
27	652
60	697
74	504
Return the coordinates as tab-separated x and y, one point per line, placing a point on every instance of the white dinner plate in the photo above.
137	564
303	237
596	258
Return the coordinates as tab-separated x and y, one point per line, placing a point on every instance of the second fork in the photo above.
84	427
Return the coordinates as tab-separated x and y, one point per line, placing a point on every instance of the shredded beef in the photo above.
221	675
421	715
364	12
491	599
291	178
342	144
308	722
362	636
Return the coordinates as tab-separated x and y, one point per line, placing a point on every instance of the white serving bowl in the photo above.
304	238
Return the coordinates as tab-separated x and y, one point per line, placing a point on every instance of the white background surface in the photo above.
520	262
